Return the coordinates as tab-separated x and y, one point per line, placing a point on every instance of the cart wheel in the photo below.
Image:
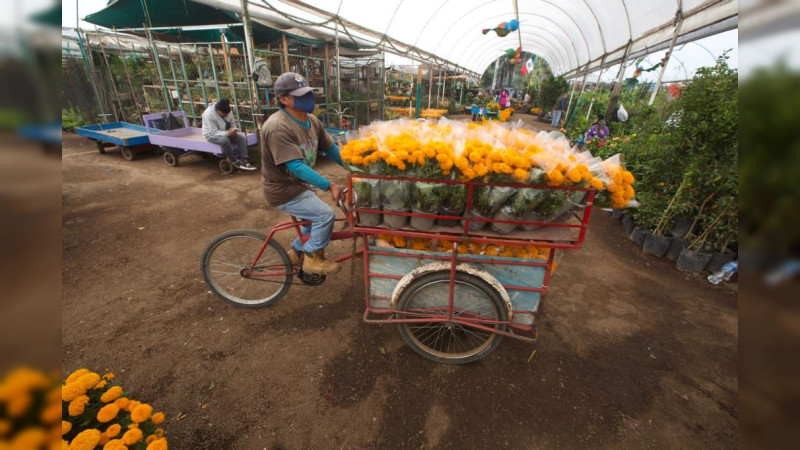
128	153
451	342
225	166
227	270
171	158
100	147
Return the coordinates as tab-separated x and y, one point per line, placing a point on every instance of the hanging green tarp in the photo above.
50	16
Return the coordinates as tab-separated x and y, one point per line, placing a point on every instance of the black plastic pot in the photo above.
692	261
449	222
638	235
616	214
719	259
680	226
675	248
628	224
656	245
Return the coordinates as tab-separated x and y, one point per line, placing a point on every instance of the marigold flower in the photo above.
158	444
101	384
133	425
18	404
75	375
113	393
64	445
77	406
70	391
132	405
115	444
122	403
85	440
32	437
51	413
89	380
107	413
65	427
157	418
113	430
109	376
104	438
132	436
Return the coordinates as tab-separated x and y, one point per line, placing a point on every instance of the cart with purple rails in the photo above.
172	132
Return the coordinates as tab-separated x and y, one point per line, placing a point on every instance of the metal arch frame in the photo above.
424	27
564	55
545	52
628	20
599	28
563	30
550	52
482	50
586	41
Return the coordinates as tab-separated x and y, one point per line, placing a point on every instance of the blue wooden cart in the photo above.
130	138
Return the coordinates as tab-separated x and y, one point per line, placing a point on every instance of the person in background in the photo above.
503	98
613	107
598	130
291	140
219	128
561	106
526	102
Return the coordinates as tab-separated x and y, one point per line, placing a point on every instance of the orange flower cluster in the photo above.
397	98
505	114
468	248
491	153
425	113
620	187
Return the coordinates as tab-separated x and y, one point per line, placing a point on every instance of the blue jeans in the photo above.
307	206
556	118
237	154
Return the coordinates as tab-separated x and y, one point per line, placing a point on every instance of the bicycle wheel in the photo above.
226	267
450	342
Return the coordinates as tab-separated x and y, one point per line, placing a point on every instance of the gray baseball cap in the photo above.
291	83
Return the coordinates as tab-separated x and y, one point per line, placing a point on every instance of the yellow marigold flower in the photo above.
109	376
104	438
51	413
115	444
159	432
133	425
132	405
141	413
85	440
157	418
596	184
65	427
75	375
627	177
107	413
113	393
77	406
574	175
70	391
113	430
64	445
357	160
150	438
159	444
101	384
18	404
28	438
122	403
132	436
520	175
5	427
89	380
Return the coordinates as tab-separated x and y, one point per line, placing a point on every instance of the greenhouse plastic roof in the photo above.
569	34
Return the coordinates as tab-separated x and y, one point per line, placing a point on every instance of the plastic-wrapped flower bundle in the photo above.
496	154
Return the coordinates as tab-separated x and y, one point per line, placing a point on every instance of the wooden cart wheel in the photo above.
225	166
101	147
128	153
171	158
451	342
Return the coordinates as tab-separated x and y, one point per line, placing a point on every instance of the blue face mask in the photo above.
305	102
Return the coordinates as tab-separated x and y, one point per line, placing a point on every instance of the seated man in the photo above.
291	139
219	128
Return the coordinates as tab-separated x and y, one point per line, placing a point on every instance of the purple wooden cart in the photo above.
171	131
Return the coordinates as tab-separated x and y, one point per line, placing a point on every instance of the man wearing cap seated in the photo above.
291	140
219	128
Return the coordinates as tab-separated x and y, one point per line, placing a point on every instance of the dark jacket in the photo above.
561	104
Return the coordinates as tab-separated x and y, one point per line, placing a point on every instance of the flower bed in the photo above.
408	111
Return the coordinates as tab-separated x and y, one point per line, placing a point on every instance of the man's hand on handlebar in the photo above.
336	192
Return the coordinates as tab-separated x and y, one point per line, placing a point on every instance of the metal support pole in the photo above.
189	92
665	61
175	77
127	75
383	86
200	75
230	79
214	70
621	73
596	86
338	75
444	85
461	96
286	53
419	90
90	72
111	78
154	49
430	85
248	34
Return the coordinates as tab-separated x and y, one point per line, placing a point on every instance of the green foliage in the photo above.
770	160
70	119
551	88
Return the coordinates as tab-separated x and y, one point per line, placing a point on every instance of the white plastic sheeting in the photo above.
569	34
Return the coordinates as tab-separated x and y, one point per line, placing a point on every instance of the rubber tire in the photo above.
225	166
254	234
100	147
128	153
482	285
171	158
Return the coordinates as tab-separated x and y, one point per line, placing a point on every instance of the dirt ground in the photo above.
632	352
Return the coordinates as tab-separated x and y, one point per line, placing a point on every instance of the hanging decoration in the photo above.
514	56
504	28
632	81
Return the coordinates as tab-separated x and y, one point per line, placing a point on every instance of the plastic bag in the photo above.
622	115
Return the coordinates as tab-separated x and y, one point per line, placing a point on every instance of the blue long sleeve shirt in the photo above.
304	172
